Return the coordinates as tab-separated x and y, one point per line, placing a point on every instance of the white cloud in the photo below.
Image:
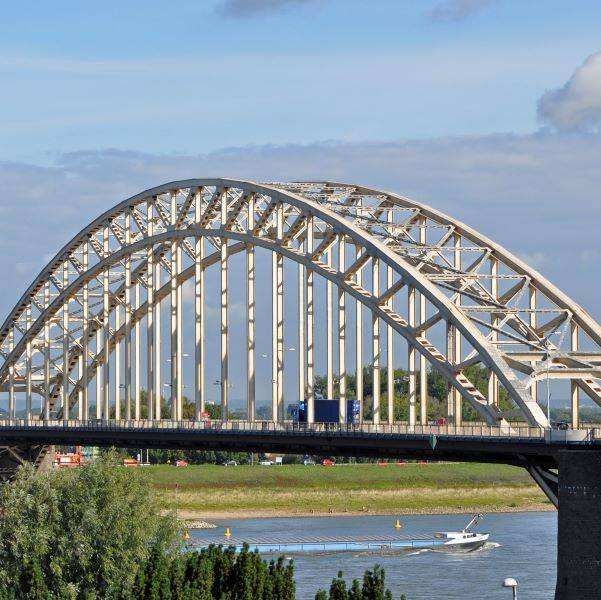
457	10
576	106
535	194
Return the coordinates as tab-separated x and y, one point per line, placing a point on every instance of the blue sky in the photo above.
190	77
487	109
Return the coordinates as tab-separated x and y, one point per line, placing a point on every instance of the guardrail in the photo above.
480	430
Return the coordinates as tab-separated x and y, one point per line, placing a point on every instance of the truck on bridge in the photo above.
326	411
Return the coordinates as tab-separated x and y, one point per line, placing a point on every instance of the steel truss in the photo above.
455	297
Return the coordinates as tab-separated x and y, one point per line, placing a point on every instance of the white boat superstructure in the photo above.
464	540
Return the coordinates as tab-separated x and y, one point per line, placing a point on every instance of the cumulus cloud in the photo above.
457	10
252	8
576	106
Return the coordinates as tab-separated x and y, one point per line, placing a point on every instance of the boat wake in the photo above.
488	546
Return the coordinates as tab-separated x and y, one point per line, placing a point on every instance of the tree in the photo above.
338	589
80	533
373	588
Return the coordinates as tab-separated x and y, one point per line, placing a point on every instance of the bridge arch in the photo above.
53	342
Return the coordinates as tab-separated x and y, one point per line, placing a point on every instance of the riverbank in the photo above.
217	492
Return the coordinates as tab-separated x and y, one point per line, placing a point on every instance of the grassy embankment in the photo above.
210	491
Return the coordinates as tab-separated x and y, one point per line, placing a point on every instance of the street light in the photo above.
219	383
512	583
183	356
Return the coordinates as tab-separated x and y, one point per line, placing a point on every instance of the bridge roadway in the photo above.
518	445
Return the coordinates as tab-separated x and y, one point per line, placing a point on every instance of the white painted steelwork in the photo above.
454	297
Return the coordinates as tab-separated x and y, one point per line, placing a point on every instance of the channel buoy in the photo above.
398	524
228	532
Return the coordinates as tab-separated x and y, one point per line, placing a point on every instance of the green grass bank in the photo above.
210	491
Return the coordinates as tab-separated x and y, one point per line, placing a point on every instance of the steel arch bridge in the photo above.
89	325
82	353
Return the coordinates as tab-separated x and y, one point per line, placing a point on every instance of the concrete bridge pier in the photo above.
579	526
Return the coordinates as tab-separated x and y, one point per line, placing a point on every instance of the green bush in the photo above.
96	533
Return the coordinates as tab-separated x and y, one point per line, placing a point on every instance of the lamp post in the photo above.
510	582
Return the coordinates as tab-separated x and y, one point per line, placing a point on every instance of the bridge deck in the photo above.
480	443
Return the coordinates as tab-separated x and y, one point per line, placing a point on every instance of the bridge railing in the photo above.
478	430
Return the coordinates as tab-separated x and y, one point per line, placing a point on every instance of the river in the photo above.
522	545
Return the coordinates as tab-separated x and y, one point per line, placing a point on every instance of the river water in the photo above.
522	545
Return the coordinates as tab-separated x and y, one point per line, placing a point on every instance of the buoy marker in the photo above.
228	532
398	524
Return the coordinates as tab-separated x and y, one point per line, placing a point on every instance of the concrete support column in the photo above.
533	325
493	383
150	325
28	354
158	346
411	359
175	321
277	315
310	350
423	363
302	326
137	358
47	355
250	315
579	525
342	416
117	374
455	337
575	390
376	350
199	303
106	332
390	352
78	408
359	340
224	314
329	330
11	373
274	337
451	347
83	409
127	347
280	313
65	386
98	374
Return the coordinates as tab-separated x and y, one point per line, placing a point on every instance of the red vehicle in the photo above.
327	462
181	463
441	422
69	459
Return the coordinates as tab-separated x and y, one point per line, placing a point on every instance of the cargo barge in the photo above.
457	541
